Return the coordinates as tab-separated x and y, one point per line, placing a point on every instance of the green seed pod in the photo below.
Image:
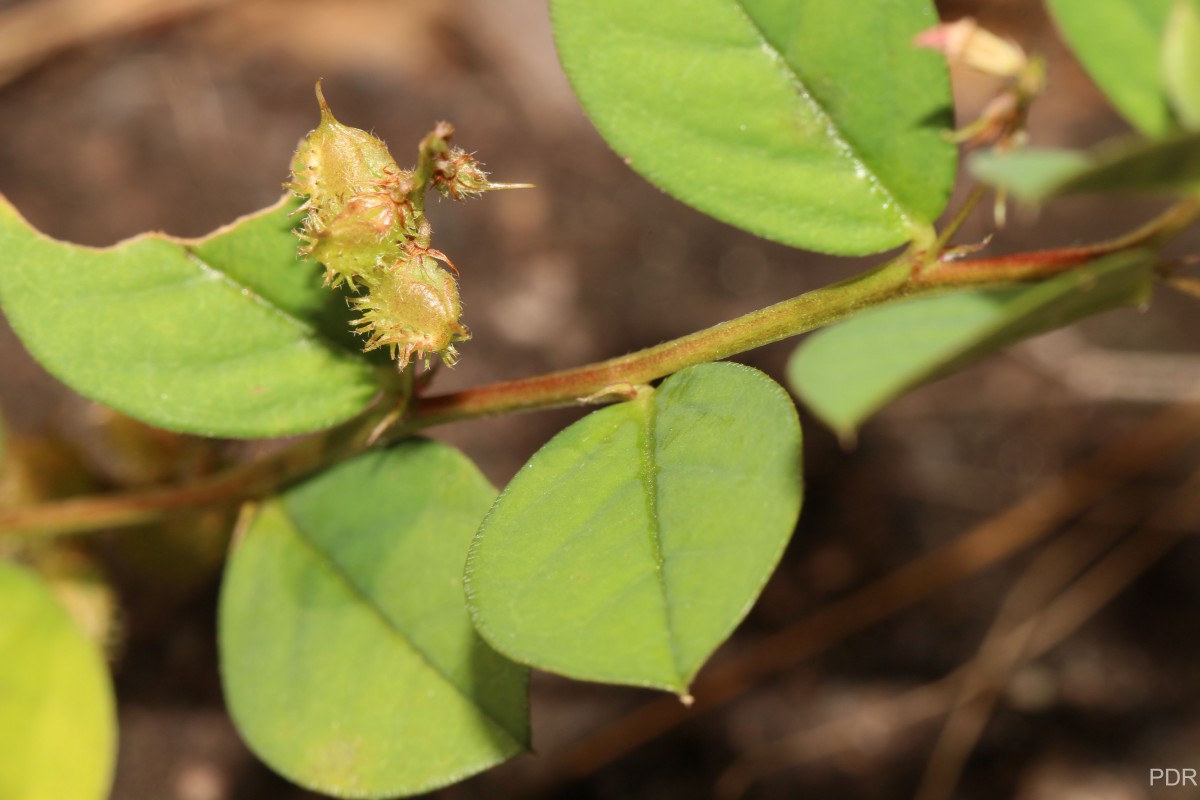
363	237
336	161
414	312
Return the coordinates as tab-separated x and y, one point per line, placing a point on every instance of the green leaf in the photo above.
1168	166
1181	62
815	123
348	659
849	371
1119	43
229	335
633	542
1030	173
1164	166
58	728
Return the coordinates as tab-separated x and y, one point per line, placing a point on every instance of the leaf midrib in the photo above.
310	330
359	592
648	474
835	133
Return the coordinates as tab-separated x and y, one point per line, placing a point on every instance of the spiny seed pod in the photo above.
365	223
458	175
336	161
361	238
414	311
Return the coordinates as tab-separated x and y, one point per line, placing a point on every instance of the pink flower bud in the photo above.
966	42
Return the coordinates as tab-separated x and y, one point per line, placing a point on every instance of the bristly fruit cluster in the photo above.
366	224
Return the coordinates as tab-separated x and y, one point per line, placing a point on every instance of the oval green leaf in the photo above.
1031	173
1119	43
1181	62
634	541
347	656
815	123
848	372
1168	166
58	728
228	335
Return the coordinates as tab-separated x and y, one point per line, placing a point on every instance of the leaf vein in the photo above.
213	273
649	477
839	139
359	592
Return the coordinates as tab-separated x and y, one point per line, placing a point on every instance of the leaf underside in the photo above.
1167	166
850	371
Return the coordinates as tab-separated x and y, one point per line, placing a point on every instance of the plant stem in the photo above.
912	274
243	482
432	146
780	321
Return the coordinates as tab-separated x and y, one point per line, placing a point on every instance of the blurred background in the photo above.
120	116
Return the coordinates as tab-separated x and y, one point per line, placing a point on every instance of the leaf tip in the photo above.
847	436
